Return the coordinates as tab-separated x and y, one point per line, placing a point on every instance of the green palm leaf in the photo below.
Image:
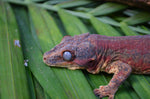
42	24
12	73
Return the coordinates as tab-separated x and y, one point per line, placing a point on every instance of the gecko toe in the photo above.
97	92
104	91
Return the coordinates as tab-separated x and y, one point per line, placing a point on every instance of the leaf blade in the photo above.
107	8
12	72
139	18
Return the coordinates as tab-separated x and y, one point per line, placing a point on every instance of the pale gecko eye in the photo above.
67	56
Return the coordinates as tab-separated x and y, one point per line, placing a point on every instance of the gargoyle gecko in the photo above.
95	53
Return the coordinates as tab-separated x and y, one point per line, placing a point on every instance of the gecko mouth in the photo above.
69	65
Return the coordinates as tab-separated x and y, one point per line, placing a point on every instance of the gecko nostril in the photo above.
44	58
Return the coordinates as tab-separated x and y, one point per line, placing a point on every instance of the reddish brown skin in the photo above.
95	53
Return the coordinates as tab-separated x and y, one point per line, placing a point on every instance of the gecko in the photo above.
118	55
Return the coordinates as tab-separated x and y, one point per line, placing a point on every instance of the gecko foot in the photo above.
105	91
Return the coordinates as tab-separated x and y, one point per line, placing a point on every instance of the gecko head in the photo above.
73	53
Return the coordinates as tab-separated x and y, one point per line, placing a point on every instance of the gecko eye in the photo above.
67	56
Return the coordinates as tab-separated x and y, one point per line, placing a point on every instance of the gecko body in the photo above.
95	53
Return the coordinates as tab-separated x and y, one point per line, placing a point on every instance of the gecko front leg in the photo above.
121	72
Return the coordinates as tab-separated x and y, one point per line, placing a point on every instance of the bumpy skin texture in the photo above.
95	53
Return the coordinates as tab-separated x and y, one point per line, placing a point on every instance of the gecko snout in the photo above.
45	56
